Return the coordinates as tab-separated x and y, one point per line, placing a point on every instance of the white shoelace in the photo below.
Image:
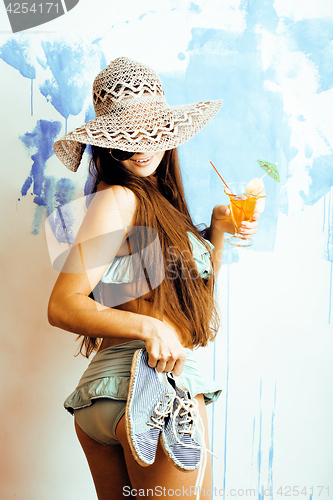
158	421
192	422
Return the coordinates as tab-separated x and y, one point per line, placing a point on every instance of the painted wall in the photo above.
272	64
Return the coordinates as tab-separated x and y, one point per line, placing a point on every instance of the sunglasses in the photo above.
119	155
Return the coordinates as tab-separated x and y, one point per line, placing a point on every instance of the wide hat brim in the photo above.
140	125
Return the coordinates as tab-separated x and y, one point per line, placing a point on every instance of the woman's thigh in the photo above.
162	473
107	465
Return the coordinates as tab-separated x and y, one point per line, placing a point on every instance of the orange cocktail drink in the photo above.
242	208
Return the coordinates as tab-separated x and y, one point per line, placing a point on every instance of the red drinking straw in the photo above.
218	173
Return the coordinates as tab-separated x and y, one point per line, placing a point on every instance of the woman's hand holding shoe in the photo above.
165	352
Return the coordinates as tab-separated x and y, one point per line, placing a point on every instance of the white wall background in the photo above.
272	64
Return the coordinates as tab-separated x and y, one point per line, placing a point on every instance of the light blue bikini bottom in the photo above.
99	400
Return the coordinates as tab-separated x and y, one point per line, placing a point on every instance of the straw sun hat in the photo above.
132	115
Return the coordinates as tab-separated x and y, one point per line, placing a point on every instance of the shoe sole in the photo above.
172	461
135	455
169	456
127	419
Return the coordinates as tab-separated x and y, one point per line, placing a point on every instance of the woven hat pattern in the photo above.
132	115
126	80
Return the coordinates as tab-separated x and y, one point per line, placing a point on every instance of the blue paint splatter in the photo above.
55	194
42	62
314	38
90	113
49	192
251	124
308	151
68	90
42	139
103	61
89	184
260	13
66	93
230	255
32	96
321	174
146	14
292	153
194	8
64	192
283	200
62	220
181	56
15	54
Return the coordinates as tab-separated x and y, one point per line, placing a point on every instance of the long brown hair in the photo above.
183	296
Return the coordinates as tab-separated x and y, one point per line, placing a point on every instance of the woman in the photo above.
139	274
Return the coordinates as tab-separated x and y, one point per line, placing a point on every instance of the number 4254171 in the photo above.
35	8
289	491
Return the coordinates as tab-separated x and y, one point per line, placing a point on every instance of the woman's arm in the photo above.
98	241
221	223
100	236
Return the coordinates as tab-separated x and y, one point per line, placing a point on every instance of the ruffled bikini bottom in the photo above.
103	389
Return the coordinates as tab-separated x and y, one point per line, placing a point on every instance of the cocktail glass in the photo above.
242	208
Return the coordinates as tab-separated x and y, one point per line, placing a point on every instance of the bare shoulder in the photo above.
111	208
122	196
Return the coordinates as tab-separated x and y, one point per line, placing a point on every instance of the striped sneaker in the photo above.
149	402
183	433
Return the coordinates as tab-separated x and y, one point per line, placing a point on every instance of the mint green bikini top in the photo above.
121	268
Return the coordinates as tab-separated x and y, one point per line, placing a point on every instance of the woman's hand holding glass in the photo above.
222	222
